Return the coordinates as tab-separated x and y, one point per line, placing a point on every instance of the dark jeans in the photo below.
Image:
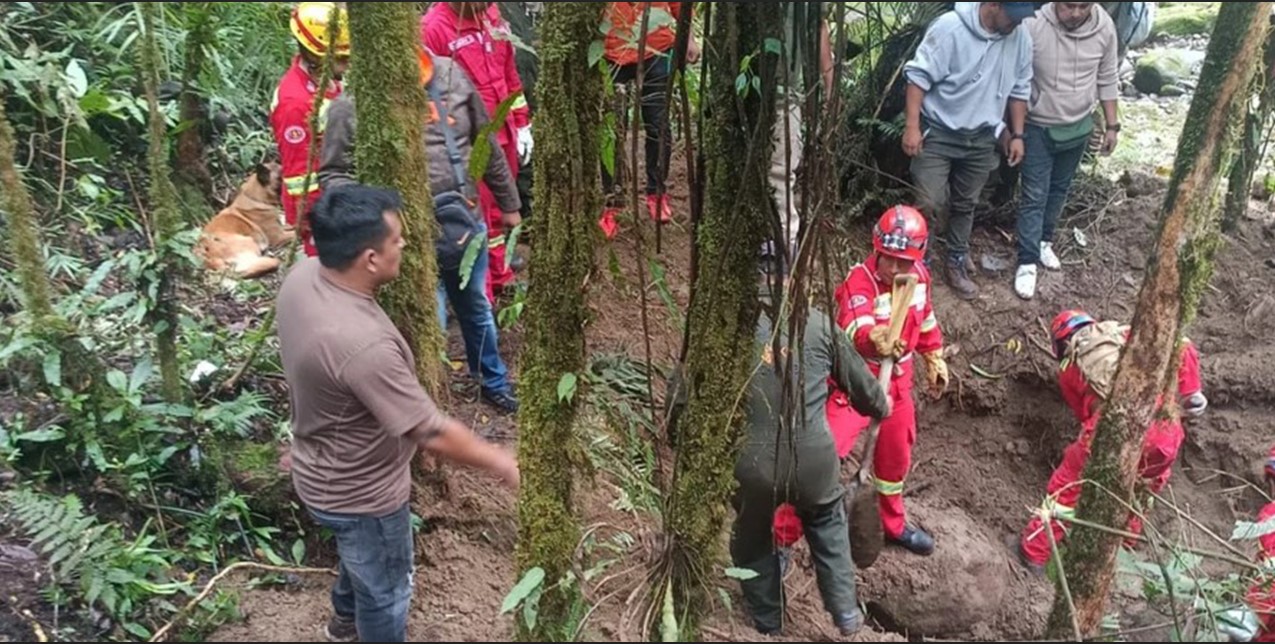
477	323
950	174
375	584
654	119
1047	177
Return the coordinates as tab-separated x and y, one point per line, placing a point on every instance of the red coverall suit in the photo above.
1159	452
1261	598
482	47
865	302
290	121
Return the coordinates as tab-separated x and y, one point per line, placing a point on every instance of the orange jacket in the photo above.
626	25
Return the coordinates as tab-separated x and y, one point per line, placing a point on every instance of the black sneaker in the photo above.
849	623
502	400
341	629
916	541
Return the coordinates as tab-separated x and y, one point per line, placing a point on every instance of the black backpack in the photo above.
458	226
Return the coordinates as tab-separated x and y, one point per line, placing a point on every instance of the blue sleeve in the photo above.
1023	78
933	59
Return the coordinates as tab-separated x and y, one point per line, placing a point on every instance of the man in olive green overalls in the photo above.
796	462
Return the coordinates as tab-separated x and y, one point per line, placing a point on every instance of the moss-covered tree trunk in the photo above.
166	217
724	309
191	169
567	188
1252	143
1178	273
392	109
23	228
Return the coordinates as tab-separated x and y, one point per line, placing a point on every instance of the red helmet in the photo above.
1066	325
903	233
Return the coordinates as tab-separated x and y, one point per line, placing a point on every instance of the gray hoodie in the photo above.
969	73
1073	69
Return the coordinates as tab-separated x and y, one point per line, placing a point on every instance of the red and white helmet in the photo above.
1066	325
902	232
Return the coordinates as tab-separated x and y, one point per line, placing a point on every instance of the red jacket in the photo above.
484	50
625	22
1086	404
864	301
290	121
1261	598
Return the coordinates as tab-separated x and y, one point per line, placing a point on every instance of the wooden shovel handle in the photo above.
901	301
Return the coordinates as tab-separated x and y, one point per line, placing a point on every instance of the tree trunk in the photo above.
24	228
191	169
1178	273
723	314
1252	144
164	208
392	109
567	187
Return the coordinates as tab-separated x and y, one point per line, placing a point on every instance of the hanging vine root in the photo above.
212	584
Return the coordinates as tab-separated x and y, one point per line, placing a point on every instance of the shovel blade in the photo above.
867	537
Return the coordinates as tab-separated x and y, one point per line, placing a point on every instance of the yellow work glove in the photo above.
880	337
936	372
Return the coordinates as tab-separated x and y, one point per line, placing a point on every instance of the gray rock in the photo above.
1172	91
1163	67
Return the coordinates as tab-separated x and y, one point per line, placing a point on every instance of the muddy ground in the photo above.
982	460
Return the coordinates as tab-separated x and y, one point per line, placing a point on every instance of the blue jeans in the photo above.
1047	177
375	584
477	323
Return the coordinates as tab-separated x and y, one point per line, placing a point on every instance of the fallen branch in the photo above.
243	565
1062	581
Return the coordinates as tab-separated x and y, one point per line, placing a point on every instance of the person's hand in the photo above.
512	220
692	51
913	141
526	144
510	475
285	460
1110	142
1017	150
937	373
880	337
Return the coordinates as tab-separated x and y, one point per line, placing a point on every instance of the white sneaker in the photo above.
1048	258
1025	283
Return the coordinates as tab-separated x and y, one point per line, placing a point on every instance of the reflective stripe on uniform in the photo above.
930	323
520	103
323	115
297	185
496	242
889	488
859	323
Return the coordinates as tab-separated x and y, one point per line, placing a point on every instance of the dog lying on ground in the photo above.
237	237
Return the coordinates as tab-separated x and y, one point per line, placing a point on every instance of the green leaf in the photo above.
741	83
668	617
41	435
567	387
531	609
53	368
76	79
467	262
596	51
1245	531
298	551
530	582
725	597
117	380
773	46
511	245
741	574
141	375
138	630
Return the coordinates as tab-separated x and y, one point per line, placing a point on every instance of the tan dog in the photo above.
237	237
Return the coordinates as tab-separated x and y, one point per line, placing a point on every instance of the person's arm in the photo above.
455	442
913	138
382	377
852	376
1019	97
1017	127
336	161
1109	93
930	66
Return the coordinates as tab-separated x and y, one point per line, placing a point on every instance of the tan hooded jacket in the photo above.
1073	70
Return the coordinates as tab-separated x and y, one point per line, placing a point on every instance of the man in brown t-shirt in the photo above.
359	413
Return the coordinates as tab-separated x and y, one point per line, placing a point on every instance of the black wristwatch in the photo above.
1016	136
1113	127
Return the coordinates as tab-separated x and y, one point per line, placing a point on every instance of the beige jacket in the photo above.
1073	70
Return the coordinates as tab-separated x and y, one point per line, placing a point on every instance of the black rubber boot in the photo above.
916	541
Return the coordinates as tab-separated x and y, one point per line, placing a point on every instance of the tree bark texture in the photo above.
392	109
191	169
23	227
164	208
568	189
1178	273
1252	143
723	315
